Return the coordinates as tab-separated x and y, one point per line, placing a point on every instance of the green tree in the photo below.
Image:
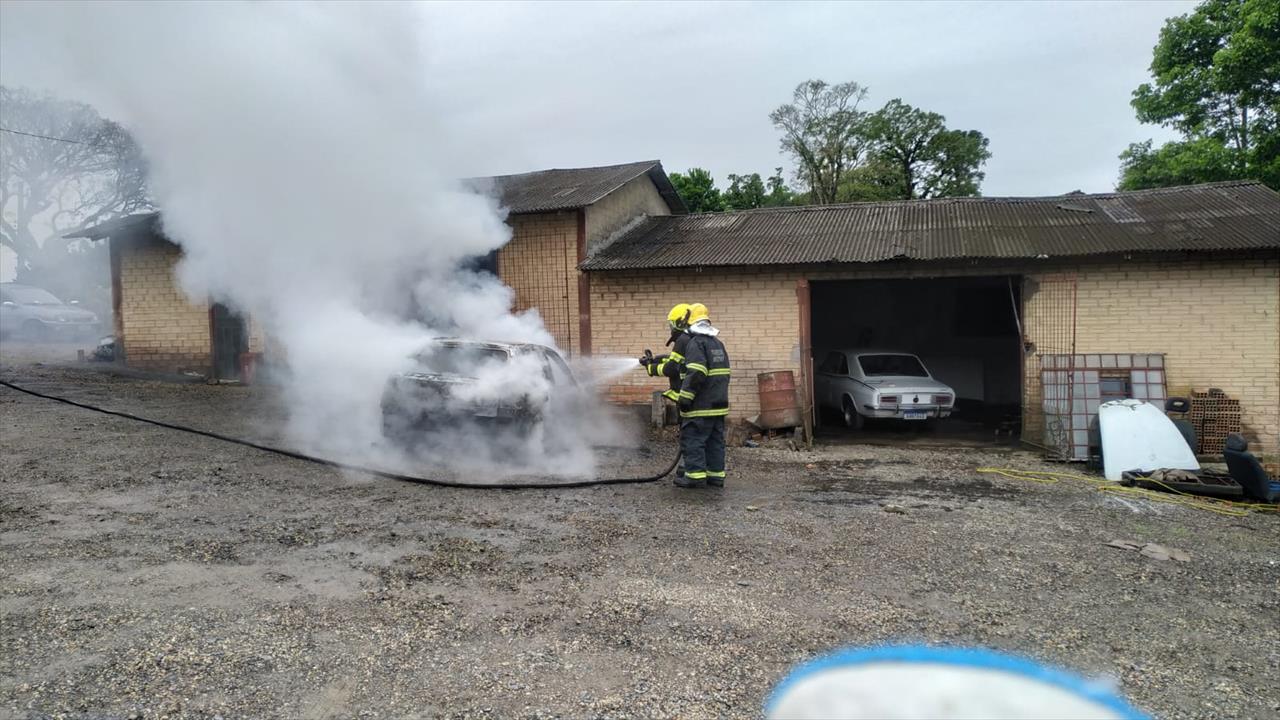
748	192
844	154
745	192
1216	80
1175	163
920	156
779	194
822	131
698	190
878	179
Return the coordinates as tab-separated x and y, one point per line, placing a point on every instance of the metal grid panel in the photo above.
1075	385
538	265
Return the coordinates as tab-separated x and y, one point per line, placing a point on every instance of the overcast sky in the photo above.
562	85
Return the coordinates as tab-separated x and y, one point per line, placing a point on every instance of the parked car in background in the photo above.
36	314
474	385
862	384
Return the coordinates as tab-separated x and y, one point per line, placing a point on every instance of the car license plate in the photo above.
915	415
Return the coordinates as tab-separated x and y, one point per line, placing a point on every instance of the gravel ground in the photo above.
148	573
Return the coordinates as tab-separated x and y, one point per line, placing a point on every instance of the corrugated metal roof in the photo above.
1215	216
534	192
572	188
119	226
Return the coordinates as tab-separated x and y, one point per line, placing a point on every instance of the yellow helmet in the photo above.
698	311
678	318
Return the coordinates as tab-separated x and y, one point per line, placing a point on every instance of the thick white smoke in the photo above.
300	159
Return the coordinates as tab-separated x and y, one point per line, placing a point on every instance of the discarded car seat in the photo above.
1246	470
1094	461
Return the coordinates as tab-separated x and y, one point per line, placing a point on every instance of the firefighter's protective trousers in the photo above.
702	442
704	403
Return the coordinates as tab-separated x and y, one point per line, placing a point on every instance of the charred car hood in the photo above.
444	385
442	378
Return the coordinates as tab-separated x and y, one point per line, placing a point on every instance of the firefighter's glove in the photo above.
686	402
653	365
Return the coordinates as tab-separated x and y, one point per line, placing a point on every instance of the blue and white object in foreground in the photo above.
926	682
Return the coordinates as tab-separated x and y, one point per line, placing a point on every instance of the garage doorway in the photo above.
966	331
230	340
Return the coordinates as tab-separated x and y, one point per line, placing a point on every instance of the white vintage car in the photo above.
879	384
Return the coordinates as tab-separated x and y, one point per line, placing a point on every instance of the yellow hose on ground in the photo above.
1230	508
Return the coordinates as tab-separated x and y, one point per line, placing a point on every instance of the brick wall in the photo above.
1216	319
162	329
756	311
540	264
636	199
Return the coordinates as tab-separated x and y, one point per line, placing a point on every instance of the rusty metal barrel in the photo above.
779	407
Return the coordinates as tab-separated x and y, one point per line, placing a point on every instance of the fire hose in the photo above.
349	466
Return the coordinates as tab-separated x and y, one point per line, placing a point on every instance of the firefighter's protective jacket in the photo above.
705	390
671	366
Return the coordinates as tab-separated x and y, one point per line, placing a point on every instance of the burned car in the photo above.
455	384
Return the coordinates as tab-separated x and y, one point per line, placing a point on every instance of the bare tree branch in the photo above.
48	187
820	129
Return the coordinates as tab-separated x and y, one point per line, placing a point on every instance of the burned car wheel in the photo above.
395	432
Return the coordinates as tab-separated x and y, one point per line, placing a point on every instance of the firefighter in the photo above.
671	365
704	402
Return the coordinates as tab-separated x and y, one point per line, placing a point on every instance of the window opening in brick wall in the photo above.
1114	387
487	263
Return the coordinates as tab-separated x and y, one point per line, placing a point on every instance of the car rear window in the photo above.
459	359
881	365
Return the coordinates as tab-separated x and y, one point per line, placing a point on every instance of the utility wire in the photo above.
356	468
50	137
